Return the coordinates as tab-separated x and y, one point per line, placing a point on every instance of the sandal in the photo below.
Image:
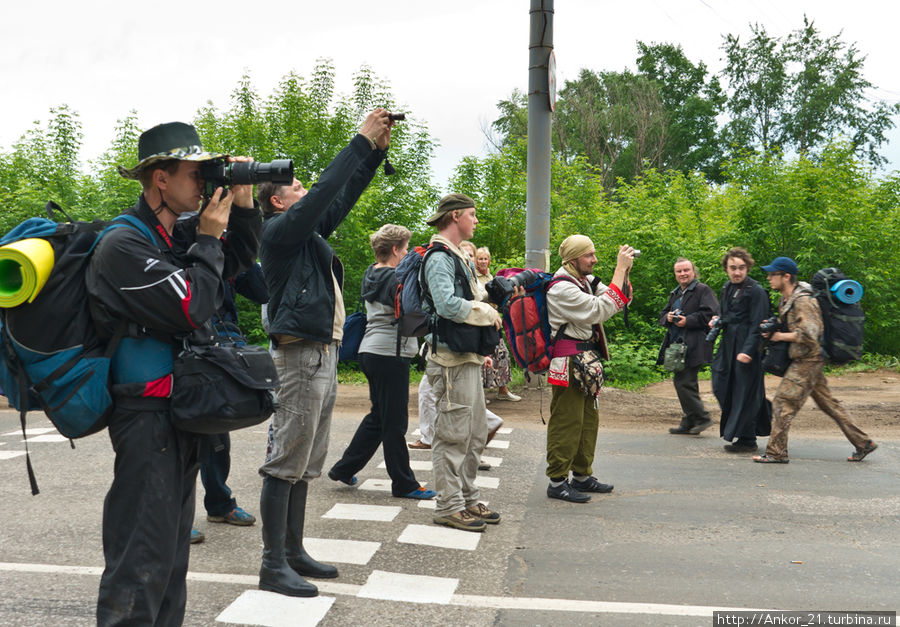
765	459
861	453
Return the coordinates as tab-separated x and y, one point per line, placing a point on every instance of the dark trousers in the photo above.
688	391
385	424
215	464
147	518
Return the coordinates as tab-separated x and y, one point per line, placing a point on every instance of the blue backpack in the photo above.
53	359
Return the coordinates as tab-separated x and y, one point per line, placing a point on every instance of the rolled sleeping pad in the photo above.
24	268
847	291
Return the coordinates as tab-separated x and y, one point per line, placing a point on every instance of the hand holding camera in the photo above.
769	327
501	289
715	327
676	316
377	126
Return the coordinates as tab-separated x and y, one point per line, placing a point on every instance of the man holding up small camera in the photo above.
798	310
306	318
691	306
163	289
577	305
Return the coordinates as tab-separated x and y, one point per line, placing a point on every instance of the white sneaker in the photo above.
509	396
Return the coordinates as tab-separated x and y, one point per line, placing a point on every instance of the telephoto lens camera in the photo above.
500	287
221	173
717	327
770	325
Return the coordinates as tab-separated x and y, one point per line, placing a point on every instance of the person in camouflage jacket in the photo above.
799	312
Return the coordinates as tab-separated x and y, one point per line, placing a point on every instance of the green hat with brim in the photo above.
450	202
174	140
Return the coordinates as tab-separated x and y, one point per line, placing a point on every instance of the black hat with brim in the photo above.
173	140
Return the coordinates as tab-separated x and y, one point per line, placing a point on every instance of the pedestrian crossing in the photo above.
266	609
13	445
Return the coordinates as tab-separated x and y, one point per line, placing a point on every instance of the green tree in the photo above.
692	101
799	92
307	121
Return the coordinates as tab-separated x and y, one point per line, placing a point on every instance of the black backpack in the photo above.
52	357
459	337
842	317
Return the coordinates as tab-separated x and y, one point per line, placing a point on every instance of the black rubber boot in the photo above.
297	557
275	575
685	426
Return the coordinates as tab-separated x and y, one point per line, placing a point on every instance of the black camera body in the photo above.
770	325
716	328
499	288
221	173
677	313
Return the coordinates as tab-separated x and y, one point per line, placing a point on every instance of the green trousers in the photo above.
571	431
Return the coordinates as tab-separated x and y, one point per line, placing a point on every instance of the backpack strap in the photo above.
9	354
459	273
125	220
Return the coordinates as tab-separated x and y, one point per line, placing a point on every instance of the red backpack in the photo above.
527	324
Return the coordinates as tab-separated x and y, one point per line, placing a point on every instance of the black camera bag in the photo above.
223	386
775	358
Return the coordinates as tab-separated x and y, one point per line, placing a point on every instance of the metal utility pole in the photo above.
541	102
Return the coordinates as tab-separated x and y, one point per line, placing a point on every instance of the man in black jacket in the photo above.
306	319
691	306
738	380
164	289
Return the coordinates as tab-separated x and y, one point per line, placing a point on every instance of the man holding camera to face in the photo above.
160	289
687	314
799	313
306	317
577	305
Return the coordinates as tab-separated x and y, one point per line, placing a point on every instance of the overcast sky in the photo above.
448	62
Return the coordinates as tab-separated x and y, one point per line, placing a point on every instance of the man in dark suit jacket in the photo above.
687	315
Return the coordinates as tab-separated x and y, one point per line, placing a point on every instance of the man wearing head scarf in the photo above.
577	305
163	289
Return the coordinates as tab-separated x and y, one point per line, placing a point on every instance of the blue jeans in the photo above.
215	465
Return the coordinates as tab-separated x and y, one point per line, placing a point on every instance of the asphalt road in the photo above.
688	529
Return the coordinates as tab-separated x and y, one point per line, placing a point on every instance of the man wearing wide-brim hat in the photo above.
163	288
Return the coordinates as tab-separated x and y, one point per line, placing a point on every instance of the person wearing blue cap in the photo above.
799	312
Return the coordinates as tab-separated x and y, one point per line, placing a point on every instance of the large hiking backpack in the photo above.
527	322
842	317
53	359
414	321
409	317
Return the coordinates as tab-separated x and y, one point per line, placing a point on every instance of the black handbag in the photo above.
775	358
222	386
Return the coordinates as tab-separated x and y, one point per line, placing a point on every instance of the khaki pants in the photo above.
571	431
300	428
802	380
460	431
